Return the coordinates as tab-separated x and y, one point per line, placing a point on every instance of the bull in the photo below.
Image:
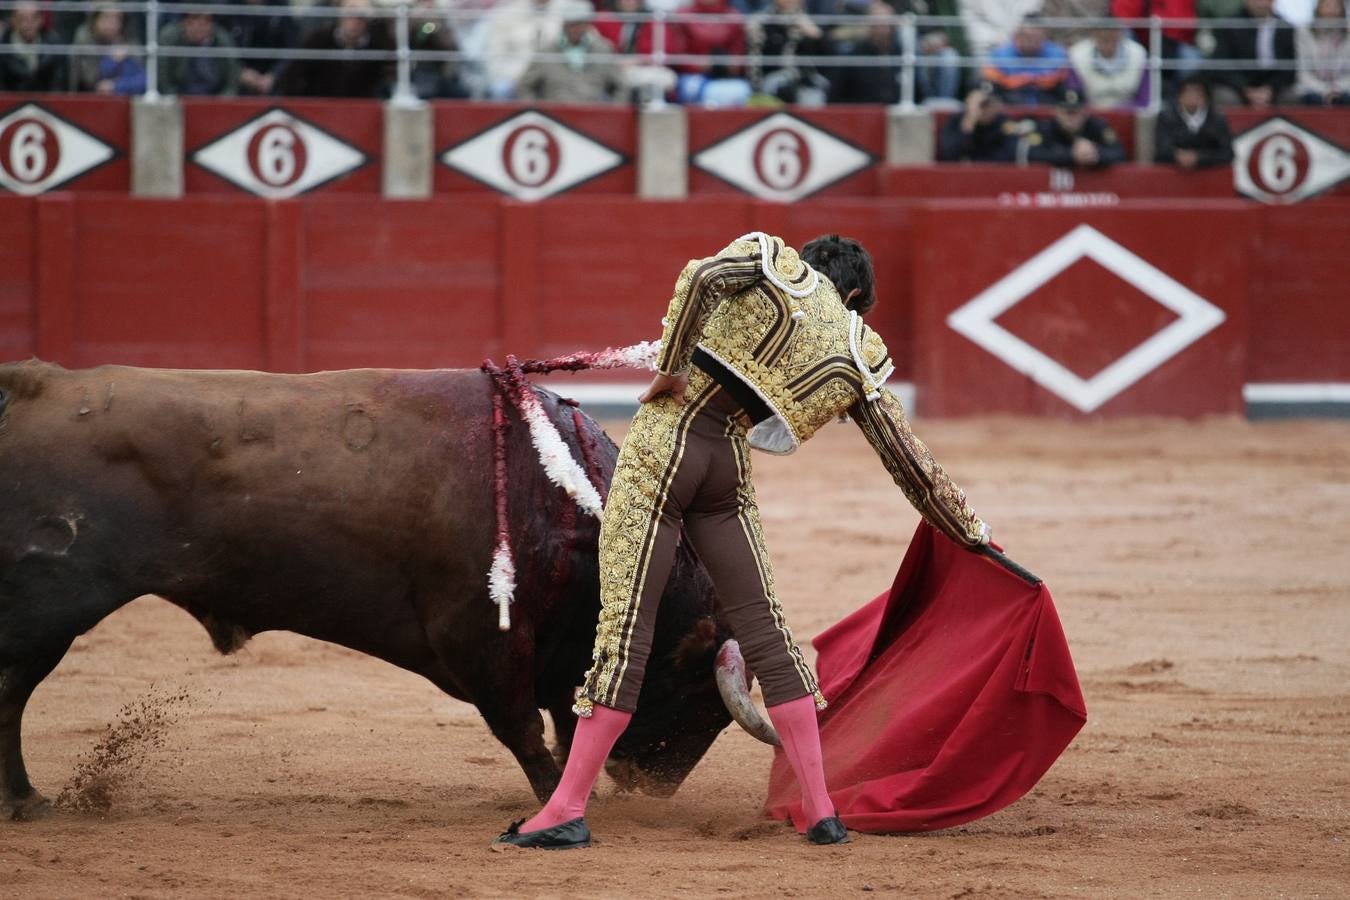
352	507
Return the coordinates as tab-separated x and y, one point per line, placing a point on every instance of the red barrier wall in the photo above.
334	281
1299	308
18	277
1016	184
1071	303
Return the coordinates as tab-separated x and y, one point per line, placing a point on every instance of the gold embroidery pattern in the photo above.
909	461
739	334
699	290
647	463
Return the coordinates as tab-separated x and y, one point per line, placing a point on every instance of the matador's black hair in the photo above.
845	262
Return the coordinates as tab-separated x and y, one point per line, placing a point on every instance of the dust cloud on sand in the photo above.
1200	571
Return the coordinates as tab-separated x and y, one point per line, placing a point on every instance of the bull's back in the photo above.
278	501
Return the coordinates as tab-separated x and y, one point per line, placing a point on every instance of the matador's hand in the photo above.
674	385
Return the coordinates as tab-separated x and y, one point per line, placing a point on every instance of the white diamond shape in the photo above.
40	151
289	156
782	158
976	318
531	156
1276	142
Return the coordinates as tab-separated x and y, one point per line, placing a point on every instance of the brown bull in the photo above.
352	507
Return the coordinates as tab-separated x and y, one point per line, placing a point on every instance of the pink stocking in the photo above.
591	744
797	728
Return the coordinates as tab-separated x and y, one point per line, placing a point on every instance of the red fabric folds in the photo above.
950	696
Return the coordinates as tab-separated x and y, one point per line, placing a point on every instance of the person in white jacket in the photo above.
515	31
1324	56
990	23
1110	68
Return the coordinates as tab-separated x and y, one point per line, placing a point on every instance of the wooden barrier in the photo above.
331	281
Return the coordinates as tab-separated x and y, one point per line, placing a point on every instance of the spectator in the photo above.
982	133
716	81
30	66
1266	41
428	31
277	31
1069	35
1109	69
876	82
1190	132
992	23
629	38
113	70
1073	138
515	31
635	42
939	75
777	46
216	76
1296	12
349	77
1178	40
587	74
1324	57
1030	70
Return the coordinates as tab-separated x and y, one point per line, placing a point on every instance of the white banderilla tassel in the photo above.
556	459
502	583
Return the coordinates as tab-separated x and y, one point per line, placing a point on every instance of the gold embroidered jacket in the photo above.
782	329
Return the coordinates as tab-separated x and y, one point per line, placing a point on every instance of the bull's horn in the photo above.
734	686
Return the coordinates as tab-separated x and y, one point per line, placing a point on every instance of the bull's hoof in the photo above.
28	809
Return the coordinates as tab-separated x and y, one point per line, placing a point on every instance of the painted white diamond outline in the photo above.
1328	162
975	319
712	158
317	140
74	140
459	158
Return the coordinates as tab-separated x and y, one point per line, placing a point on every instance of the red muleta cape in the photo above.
950	696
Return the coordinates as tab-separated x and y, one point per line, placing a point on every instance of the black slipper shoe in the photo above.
567	836
828	831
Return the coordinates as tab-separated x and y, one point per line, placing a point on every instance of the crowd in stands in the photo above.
1297	51
592	56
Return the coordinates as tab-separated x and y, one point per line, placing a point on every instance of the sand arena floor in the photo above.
1200	570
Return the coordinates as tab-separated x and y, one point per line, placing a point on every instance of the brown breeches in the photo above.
687	467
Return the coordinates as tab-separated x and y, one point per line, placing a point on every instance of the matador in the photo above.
761	347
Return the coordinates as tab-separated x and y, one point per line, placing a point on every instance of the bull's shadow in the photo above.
353	507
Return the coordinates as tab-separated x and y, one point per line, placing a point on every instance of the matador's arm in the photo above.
912	466
702	285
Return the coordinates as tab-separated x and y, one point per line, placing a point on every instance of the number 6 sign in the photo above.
1279	161
40	151
531	156
278	155
782	158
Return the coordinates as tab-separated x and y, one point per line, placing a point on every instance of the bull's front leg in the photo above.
18	799
520	727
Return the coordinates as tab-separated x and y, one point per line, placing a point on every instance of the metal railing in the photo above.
908	28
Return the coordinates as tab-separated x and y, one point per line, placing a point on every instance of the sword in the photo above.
998	556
